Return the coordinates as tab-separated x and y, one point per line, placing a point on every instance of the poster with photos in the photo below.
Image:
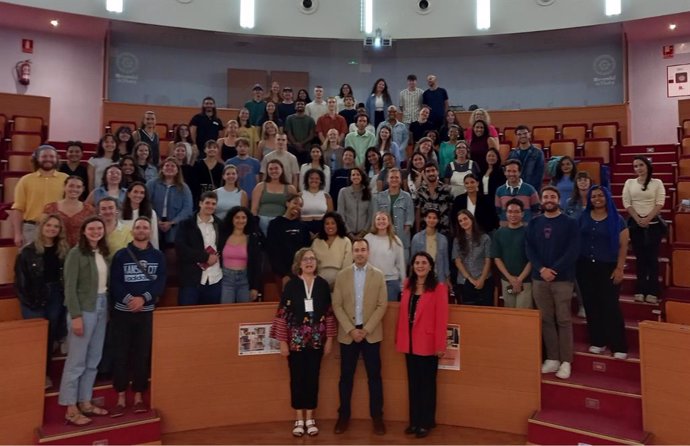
254	340
451	360
678	82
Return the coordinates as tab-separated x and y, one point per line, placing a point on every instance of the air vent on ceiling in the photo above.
422	7
545	2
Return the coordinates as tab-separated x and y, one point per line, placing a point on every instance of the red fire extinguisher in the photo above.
24	72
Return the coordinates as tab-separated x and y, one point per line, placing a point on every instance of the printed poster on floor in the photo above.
254	340
451	360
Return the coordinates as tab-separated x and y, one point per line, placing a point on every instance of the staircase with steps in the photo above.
601	402
129	429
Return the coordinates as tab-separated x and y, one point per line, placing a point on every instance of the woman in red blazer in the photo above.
421	335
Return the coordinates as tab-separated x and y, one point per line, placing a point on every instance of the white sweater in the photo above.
390	260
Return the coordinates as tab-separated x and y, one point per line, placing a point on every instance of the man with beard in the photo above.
33	191
433	194
137	280
300	129
552	244
205	125
532	159
285	236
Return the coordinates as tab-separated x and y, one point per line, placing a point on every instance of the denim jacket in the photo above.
179	205
402	213
532	168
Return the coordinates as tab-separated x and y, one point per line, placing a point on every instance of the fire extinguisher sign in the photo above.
27	46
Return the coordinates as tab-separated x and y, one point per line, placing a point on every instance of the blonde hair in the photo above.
297	261
60	241
473	116
264	133
390	230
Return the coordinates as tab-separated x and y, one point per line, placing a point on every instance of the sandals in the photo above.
298	430
93	411
312	430
77	419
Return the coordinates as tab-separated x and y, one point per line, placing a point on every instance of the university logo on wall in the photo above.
604	67
126	68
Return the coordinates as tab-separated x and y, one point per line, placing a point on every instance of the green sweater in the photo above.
81	282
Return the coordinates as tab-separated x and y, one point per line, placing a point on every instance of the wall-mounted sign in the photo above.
677	80
27	46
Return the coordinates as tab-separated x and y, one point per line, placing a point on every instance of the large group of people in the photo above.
345	209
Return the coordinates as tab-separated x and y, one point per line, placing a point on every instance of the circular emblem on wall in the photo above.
127	63
604	65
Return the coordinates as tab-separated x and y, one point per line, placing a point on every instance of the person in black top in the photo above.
207	172
206	125
74	167
340	178
38	278
147	133
349	112
287	106
422	125
477	203
285	236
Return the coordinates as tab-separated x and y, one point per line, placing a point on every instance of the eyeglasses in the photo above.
309	259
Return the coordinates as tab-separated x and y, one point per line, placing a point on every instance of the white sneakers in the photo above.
550	366
620	355
639	297
581	312
651	299
562	369
597	350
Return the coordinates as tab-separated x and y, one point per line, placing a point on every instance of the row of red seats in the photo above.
577	132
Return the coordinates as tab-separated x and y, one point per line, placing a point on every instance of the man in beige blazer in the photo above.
359	303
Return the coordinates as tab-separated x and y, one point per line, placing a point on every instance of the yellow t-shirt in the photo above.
33	191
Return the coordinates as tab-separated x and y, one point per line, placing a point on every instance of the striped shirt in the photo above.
411	103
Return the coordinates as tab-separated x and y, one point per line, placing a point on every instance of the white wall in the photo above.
654	116
69	70
341	18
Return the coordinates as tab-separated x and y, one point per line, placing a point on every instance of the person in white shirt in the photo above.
386	253
318	106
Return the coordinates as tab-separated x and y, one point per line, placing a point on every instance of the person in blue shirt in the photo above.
248	168
603	248
531	158
564	180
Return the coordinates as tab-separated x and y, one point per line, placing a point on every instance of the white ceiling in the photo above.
339	19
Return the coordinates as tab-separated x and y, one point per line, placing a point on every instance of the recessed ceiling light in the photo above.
55	23
672	26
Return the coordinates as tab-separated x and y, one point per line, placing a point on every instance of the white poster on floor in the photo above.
254	340
677	80
451	360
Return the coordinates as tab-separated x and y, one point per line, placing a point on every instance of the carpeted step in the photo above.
585	394
551	426
608	367
638	311
128	429
103	396
580	334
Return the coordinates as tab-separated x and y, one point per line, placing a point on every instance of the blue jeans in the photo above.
235	287
81	365
200	294
393	288
54	312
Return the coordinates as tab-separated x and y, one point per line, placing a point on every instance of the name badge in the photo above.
309	305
